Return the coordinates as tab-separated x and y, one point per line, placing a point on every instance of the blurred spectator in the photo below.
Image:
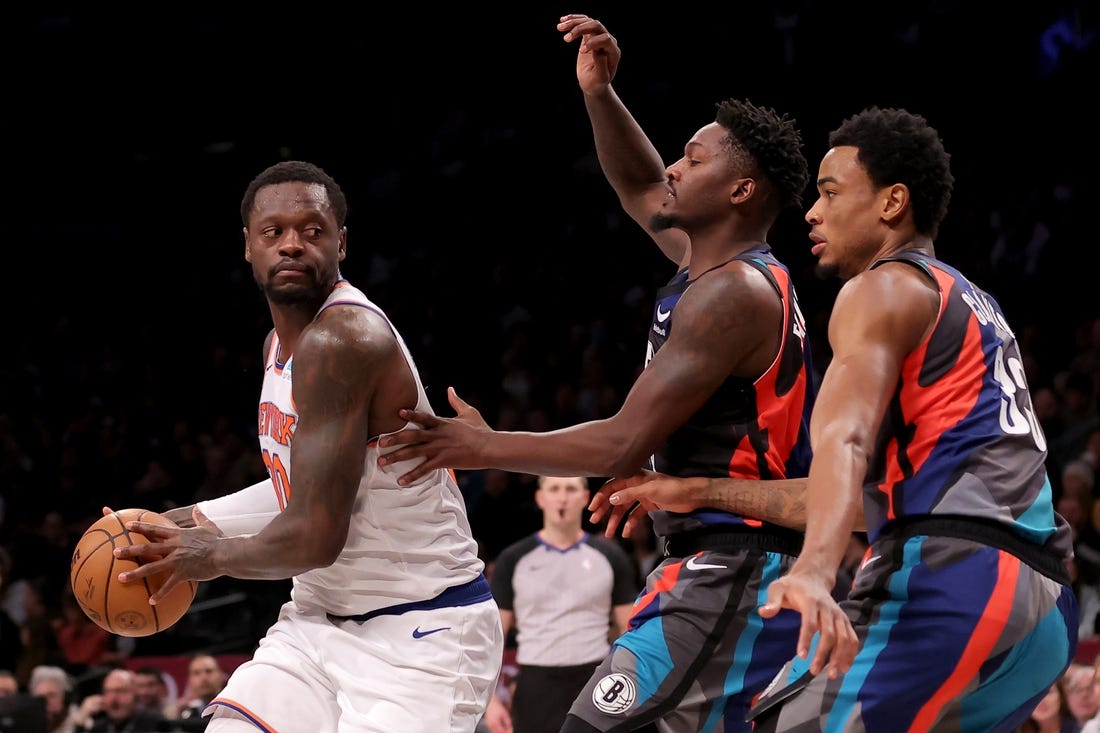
205	679
84	643
1086	585
155	690
1091	453
1093	725
8	684
115	709
1087	360
1079	412
12	589
1076	497
1047	403
39	647
1077	683
56	687
11	647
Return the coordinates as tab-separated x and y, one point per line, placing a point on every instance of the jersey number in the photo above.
279	477
1009	373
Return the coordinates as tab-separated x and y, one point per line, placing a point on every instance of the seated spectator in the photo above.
152	690
205	679
116	709
8	684
11	647
84	643
1080	696
55	686
1093	724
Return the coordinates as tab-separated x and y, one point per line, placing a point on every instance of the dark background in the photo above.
460	137
478	214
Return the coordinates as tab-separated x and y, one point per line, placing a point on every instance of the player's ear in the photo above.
895	202
247	254
742	189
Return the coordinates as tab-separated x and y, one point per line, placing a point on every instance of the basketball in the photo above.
119	608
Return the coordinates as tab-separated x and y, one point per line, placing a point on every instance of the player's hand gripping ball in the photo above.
119	608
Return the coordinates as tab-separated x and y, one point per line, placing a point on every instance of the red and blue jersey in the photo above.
960	437
748	428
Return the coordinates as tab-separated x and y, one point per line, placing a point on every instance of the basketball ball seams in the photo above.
124	608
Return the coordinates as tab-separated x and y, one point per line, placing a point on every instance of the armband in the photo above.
243	512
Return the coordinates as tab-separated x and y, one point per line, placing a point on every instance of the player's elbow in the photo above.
624	459
322	548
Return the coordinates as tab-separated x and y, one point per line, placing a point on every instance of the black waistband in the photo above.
986	532
730	538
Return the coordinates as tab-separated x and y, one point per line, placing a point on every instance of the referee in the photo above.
568	593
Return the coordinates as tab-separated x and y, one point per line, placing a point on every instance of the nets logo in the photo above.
614	694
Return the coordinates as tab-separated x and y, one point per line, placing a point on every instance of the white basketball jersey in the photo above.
406	543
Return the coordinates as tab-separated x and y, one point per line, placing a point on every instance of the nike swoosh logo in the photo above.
693	564
418	634
662	316
869	560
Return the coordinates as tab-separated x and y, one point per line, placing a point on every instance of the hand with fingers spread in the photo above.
597	55
810	594
185	554
443	442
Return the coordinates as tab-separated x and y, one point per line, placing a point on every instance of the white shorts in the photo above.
421	671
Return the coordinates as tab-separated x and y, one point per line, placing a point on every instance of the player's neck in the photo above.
289	323
715	253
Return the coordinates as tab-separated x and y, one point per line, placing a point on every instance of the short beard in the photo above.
660	222
826	272
294	295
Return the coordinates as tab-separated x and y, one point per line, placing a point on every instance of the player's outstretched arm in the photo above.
443	442
777	501
627	157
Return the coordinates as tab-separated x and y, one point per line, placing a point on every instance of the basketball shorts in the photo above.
954	635
696	651
543	696
421	671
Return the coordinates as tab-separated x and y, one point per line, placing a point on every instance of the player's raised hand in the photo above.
810	595
443	442
597	55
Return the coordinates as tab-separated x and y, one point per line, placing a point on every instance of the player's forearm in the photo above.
627	157
778	501
588	449
833	501
283	549
781	501
244	512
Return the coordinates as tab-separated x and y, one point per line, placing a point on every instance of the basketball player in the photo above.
566	592
391	625
725	391
962	611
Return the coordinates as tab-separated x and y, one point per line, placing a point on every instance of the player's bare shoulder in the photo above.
347	343
896	300
735	293
893	285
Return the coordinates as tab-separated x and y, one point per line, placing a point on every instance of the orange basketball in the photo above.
123	609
